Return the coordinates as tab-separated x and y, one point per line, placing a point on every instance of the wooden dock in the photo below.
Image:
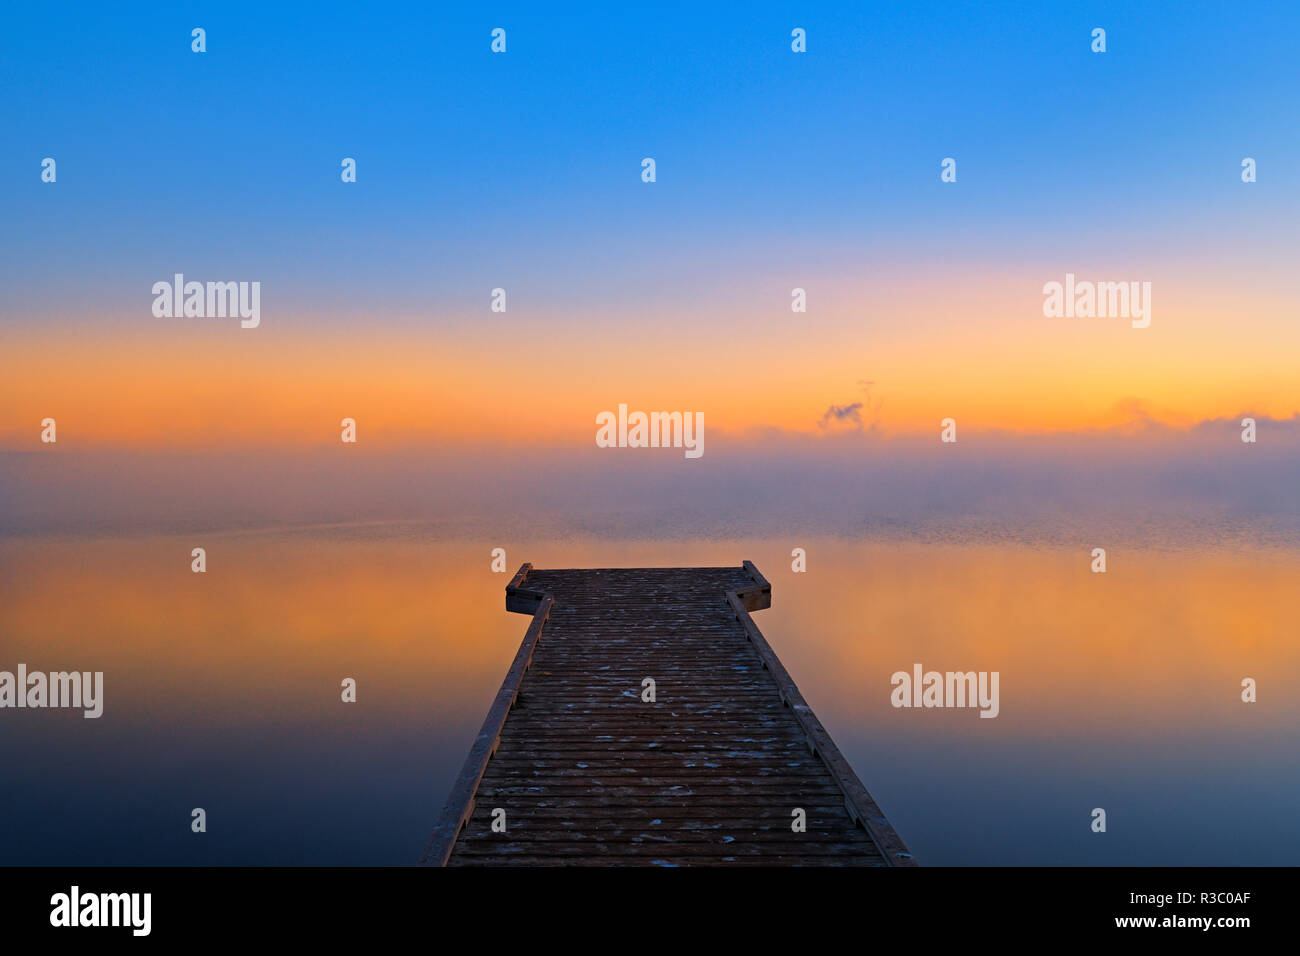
582	771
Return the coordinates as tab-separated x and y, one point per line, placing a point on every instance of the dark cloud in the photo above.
842	416
853	416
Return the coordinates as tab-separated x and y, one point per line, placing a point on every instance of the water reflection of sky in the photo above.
222	692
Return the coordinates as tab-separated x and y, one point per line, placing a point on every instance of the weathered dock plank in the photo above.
589	774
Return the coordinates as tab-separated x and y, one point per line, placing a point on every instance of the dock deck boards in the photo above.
590	774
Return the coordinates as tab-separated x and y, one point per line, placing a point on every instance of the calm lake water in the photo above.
222	690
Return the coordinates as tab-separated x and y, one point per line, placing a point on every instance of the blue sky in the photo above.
229	160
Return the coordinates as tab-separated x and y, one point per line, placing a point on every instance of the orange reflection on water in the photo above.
1156	645
272	626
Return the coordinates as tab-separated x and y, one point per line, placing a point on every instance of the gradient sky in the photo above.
522	171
